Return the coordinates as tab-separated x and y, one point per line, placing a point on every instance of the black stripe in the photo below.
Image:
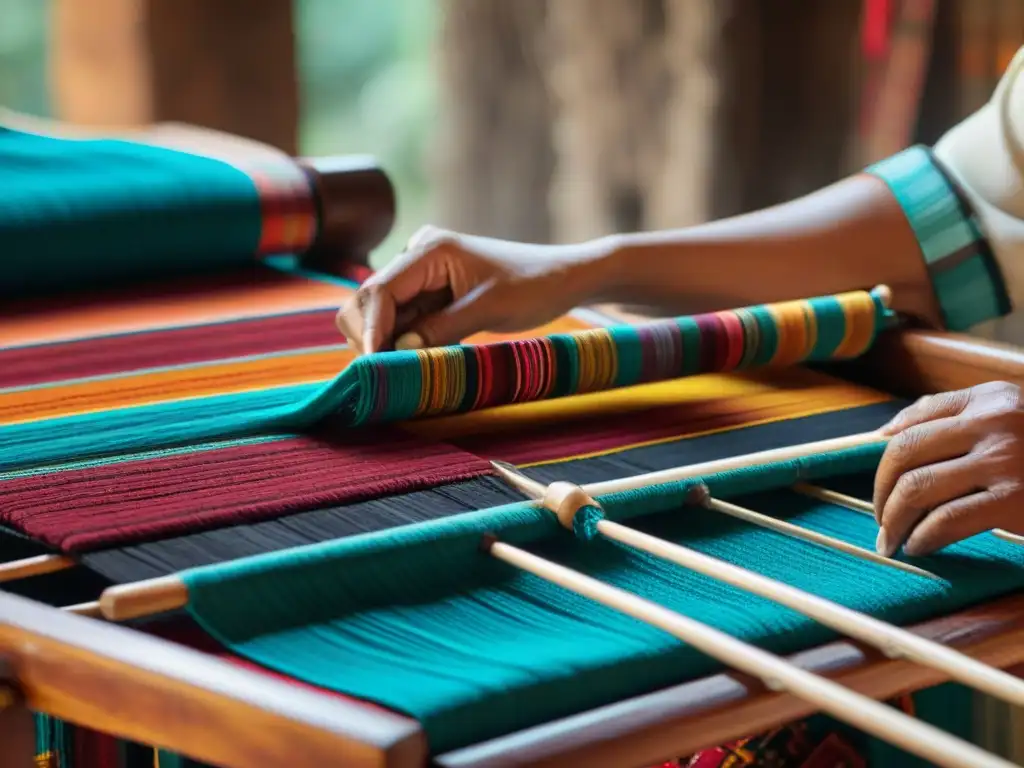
159	558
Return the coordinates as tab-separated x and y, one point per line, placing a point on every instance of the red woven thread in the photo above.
23	366
85	509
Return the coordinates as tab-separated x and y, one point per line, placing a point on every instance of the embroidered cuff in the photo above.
967	281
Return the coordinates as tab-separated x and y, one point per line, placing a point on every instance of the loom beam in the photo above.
148	690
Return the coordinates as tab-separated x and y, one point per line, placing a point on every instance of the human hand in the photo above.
954	467
446	286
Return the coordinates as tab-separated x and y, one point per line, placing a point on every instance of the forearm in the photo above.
851	235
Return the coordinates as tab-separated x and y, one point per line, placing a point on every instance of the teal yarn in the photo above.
149	427
419	620
83	214
584	522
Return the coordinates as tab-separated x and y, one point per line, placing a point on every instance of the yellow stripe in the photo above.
786	384
830	407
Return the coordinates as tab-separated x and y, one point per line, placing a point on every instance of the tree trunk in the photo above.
494	161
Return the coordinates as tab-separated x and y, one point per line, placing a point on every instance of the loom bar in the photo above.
564	499
34	566
91	609
143	598
859	711
813	537
868	508
733	463
894	642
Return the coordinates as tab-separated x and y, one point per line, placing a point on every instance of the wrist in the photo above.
595	270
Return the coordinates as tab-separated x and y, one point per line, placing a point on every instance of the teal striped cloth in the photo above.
964	273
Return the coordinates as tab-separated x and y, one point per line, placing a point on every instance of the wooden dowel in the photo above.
1012	538
143	598
813	537
564	499
732	463
892	641
34	566
863	713
868	508
512	475
91	609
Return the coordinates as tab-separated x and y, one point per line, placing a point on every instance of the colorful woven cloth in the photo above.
198	408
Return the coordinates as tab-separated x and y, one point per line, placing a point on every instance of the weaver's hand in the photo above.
953	468
446	286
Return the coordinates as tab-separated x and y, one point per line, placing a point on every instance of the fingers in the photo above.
367	320
472	313
917	447
954	521
408	288
919	492
929	408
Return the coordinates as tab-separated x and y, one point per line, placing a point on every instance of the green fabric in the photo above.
421	621
968	284
92	213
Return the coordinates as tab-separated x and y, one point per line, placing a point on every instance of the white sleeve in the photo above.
984	155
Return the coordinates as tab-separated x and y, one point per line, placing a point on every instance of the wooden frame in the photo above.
141	688
137	687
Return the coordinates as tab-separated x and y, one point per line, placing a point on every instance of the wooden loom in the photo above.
121	681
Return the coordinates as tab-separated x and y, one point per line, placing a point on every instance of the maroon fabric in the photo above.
22	366
96	750
714	347
86	508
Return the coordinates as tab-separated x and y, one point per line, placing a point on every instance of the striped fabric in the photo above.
287	208
966	279
284	393
410	385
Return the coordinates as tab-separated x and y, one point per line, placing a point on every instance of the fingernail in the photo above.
409	341
882	544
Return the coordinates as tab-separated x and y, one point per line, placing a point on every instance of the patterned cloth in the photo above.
798	745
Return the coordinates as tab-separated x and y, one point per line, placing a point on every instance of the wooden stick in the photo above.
91	609
868	508
813	537
863	713
554	497
788	453
892	641
34	566
143	598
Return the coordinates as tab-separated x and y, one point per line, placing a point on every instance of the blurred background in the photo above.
539	120
532	119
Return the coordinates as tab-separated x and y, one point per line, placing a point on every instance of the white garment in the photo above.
985	154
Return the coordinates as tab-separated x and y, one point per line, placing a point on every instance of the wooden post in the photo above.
17	739
223	64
